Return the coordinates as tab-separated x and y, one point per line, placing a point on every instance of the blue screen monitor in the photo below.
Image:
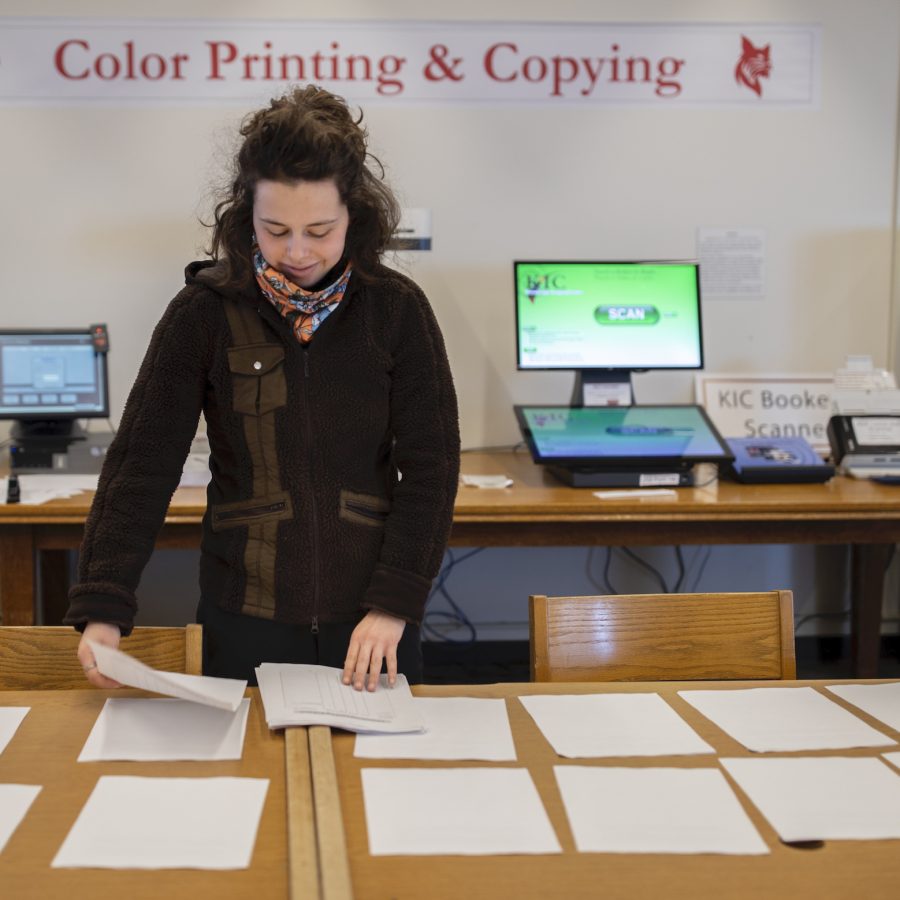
51	378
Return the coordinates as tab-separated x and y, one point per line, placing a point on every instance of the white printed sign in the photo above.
768	406
173	60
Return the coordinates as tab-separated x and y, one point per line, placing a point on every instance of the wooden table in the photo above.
44	751
539	511
839	869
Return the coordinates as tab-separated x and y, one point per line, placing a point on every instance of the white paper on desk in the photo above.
11	718
149	730
463	811
299	694
166	823
822	798
893	758
223	693
455	728
15	801
784	719
881	701
580	725
650	810
486	481
37	489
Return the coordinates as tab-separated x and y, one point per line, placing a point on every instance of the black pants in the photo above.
234	645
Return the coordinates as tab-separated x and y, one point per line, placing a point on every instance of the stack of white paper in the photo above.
296	694
784	719
223	693
37	489
455	811
455	728
581	725
15	799
166	823
10	719
151	730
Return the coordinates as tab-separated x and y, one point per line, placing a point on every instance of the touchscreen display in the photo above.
592	434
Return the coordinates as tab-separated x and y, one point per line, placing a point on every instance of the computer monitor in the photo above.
50	378
606	320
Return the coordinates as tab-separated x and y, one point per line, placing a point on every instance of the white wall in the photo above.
101	209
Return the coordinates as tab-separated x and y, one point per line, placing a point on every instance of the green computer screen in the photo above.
608	315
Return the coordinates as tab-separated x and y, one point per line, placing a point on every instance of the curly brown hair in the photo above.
308	134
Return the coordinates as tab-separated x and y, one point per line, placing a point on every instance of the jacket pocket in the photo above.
364	509
250	512
257	377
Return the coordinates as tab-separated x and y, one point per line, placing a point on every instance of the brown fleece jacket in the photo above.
307	518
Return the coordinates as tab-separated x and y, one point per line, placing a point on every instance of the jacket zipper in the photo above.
315	516
253	511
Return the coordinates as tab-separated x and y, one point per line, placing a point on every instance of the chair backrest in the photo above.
42	657
663	637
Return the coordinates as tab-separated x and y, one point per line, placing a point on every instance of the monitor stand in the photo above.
602	387
42	431
632	476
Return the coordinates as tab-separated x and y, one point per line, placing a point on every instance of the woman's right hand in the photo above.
99	633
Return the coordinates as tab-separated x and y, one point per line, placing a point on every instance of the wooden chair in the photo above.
42	657
663	637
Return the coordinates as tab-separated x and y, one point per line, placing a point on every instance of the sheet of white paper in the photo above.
223	693
650	810
166	823
822	798
613	725
486	481
10	719
881	701
145	730
295	694
779	718
465	811
455	728
893	758
37	489
15	800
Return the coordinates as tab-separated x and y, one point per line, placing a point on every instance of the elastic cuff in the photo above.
90	603
397	592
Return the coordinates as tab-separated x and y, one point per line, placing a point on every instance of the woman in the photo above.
330	413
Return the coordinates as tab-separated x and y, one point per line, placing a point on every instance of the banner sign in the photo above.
769	406
128	61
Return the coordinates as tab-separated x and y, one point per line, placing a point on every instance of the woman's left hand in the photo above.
373	642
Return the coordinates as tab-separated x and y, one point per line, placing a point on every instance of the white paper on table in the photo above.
455	728
147	730
881	701
779	718
463	811
37	489
893	758
223	693
822	798
579	725
11	718
655	810
486	481
166	823
299	694
15	800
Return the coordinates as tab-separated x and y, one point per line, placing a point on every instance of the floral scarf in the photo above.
304	310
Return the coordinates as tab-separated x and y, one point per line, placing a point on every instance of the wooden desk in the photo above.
539	511
44	752
839	869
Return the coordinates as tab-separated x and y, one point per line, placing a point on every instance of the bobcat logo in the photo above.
753	65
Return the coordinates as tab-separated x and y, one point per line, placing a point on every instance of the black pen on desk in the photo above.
13	494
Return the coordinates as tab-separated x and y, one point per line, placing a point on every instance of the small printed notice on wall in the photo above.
732	262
